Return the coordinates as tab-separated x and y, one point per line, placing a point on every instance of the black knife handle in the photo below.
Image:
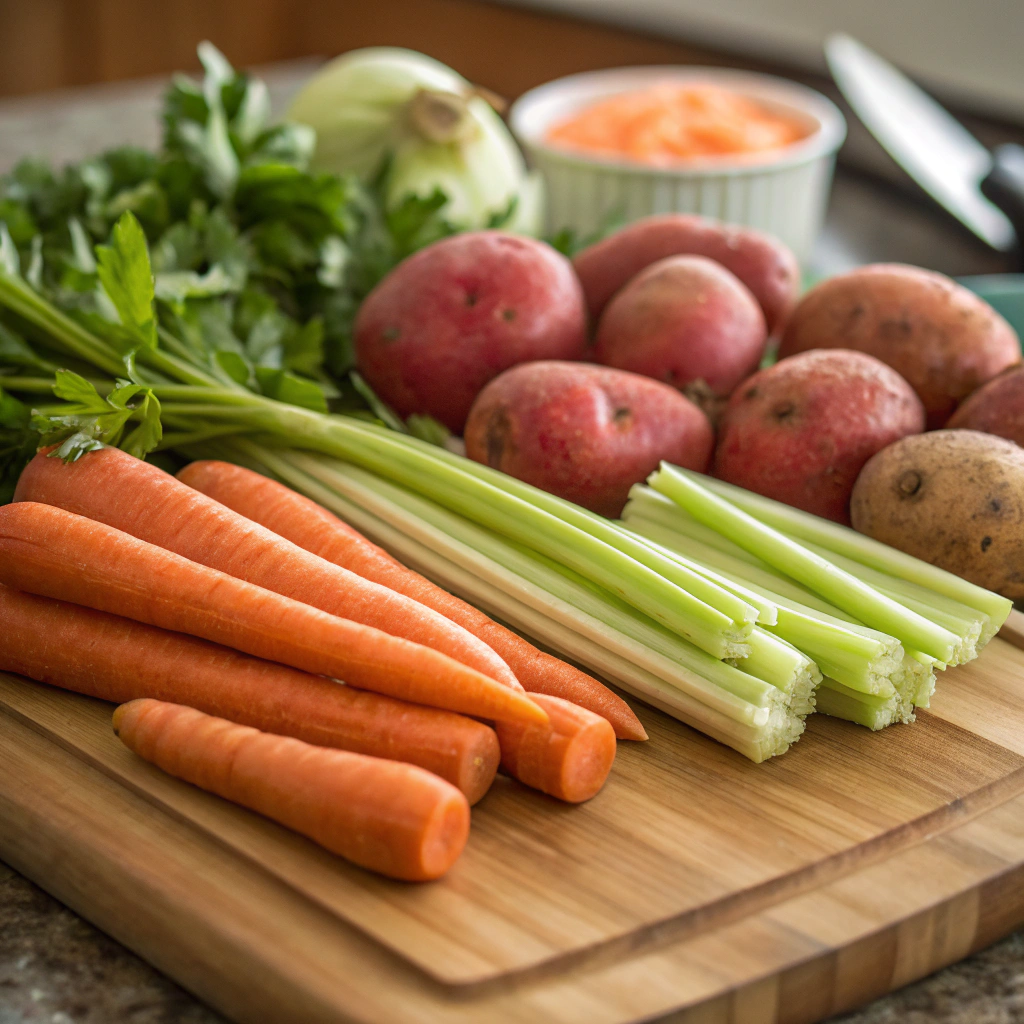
1004	186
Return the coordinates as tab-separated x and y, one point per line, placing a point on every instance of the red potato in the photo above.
762	263
800	431
995	408
456	314
683	320
943	339
586	433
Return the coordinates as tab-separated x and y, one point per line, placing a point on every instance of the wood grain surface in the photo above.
780	892
51	44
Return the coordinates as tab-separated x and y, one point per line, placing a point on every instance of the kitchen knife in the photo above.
984	190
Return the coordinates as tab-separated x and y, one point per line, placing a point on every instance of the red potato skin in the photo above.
800	431
586	433
995	408
762	263
940	337
454	315
682	320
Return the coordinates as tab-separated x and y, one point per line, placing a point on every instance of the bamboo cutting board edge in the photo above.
392	914
161	791
757	971
260	949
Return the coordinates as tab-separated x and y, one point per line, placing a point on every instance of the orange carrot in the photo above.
115	488
116	659
47	551
314	528
390	817
570	758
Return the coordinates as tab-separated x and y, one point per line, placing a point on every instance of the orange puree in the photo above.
669	123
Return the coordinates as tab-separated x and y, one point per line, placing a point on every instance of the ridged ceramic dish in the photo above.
783	192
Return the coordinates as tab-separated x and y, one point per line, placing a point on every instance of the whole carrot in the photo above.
115	488
47	551
116	659
314	528
393	818
570	758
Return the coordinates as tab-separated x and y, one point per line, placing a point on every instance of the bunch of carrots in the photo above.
262	649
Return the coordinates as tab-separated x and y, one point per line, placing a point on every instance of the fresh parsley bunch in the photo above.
256	264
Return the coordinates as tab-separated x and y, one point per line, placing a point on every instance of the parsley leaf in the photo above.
88	420
127	278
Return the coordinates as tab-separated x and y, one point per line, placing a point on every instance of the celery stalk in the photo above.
785	667
720	629
685	536
533	580
860	657
844	541
758	732
766	611
813	571
840	702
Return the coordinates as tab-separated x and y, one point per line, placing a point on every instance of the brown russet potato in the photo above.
762	263
801	430
586	433
454	315
684	320
996	407
954	498
942	338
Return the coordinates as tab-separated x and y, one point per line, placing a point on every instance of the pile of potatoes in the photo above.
581	376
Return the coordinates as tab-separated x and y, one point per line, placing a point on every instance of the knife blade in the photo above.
922	137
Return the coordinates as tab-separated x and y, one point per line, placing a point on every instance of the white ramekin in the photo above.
783	192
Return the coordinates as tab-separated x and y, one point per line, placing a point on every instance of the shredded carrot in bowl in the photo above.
672	123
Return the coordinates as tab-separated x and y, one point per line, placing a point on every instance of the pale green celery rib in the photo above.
844	541
771	731
727	559
839	701
646	503
588	523
571	600
861	657
663	525
444	478
818	574
860	662
609	532
964	621
781	664
915	684
766	610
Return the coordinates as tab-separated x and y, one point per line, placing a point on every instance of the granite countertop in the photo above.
58	969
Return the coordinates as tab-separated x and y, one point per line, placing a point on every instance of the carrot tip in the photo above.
631	731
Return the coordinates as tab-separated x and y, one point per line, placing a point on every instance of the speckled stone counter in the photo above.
56	968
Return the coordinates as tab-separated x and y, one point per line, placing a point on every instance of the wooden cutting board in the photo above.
696	884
